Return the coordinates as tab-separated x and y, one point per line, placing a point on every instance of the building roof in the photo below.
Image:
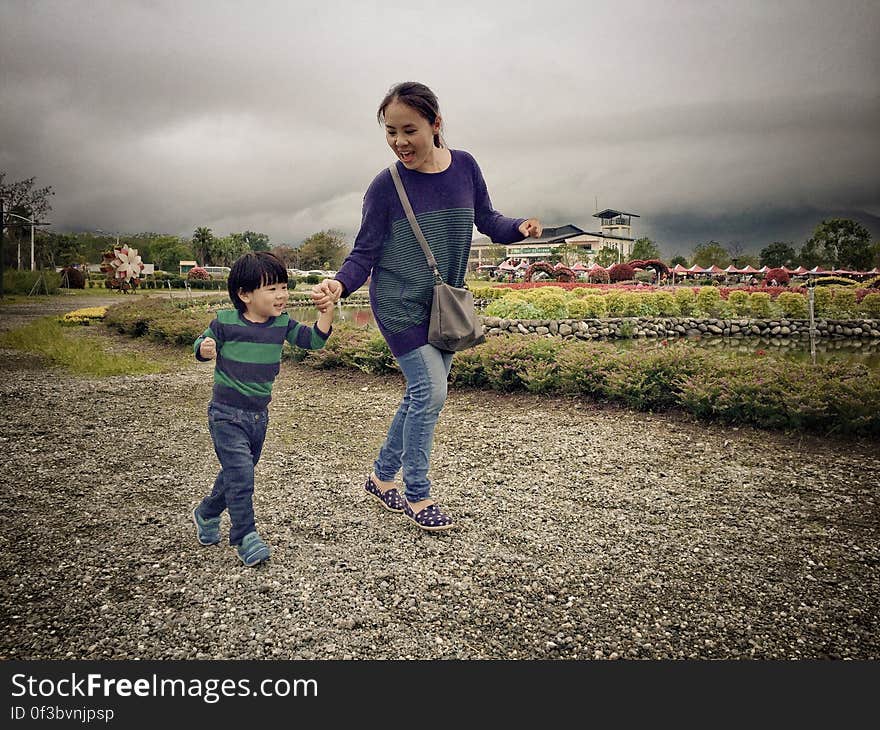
609	213
599	234
553	235
548	235
556	235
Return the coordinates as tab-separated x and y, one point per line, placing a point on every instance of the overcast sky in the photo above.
735	120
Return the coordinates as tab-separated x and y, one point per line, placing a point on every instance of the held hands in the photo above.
325	318
208	349
531	228
326	294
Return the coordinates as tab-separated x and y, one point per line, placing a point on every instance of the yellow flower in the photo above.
84	316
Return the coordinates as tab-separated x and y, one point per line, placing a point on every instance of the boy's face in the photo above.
267	301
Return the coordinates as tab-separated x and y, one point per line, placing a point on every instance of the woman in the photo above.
449	196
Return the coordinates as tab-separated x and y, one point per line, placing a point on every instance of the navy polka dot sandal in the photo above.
390	498
430	518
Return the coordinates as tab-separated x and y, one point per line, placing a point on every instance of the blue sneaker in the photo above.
252	550
208	531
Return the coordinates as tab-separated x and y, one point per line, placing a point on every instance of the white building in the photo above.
615	231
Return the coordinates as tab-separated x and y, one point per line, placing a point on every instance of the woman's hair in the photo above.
416	96
253	270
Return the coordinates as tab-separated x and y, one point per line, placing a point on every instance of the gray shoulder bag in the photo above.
454	322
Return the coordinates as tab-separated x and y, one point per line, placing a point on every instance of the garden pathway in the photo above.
585	531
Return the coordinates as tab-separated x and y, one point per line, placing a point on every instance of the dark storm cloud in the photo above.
708	119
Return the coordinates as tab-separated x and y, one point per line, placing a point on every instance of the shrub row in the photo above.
172	281
176	321
762	391
163	320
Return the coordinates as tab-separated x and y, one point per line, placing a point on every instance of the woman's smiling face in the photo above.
411	137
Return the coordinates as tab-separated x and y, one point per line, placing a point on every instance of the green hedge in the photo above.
22	282
763	391
161	319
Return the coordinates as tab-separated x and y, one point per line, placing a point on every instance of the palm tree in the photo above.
201	242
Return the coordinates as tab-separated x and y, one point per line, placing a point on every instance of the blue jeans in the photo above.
238	437
409	440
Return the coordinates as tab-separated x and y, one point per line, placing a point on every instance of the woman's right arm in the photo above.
370	238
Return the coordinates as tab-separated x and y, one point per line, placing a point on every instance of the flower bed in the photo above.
561	302
774	291
84	316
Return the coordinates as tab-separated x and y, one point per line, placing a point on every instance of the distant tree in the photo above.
201	244
875	254
749	259
496	253
812	254
288	254
838	243
22	195
254	241
56	249
607	256
325	249
92	245
709	253
24	199
223	251
736	250
165	252
778	253
644	248
678	259
565	253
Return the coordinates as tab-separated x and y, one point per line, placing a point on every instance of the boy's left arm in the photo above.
325	321
208	334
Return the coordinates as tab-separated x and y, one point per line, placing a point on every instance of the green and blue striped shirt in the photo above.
249	355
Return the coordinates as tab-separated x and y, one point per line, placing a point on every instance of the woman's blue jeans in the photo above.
238	437
409	440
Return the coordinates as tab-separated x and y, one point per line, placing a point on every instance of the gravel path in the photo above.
585	531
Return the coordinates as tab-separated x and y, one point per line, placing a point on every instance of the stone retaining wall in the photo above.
666	327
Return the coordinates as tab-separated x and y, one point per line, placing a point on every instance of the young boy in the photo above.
247	343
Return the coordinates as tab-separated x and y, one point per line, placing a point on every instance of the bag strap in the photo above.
411	216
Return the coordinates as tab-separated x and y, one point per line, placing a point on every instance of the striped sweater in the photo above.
447	205
249	355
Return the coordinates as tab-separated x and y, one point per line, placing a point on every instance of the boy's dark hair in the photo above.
253	270
416	96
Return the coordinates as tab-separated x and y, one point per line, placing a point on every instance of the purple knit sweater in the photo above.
447	205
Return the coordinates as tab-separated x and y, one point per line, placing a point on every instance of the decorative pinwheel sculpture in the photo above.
128	264
123	268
